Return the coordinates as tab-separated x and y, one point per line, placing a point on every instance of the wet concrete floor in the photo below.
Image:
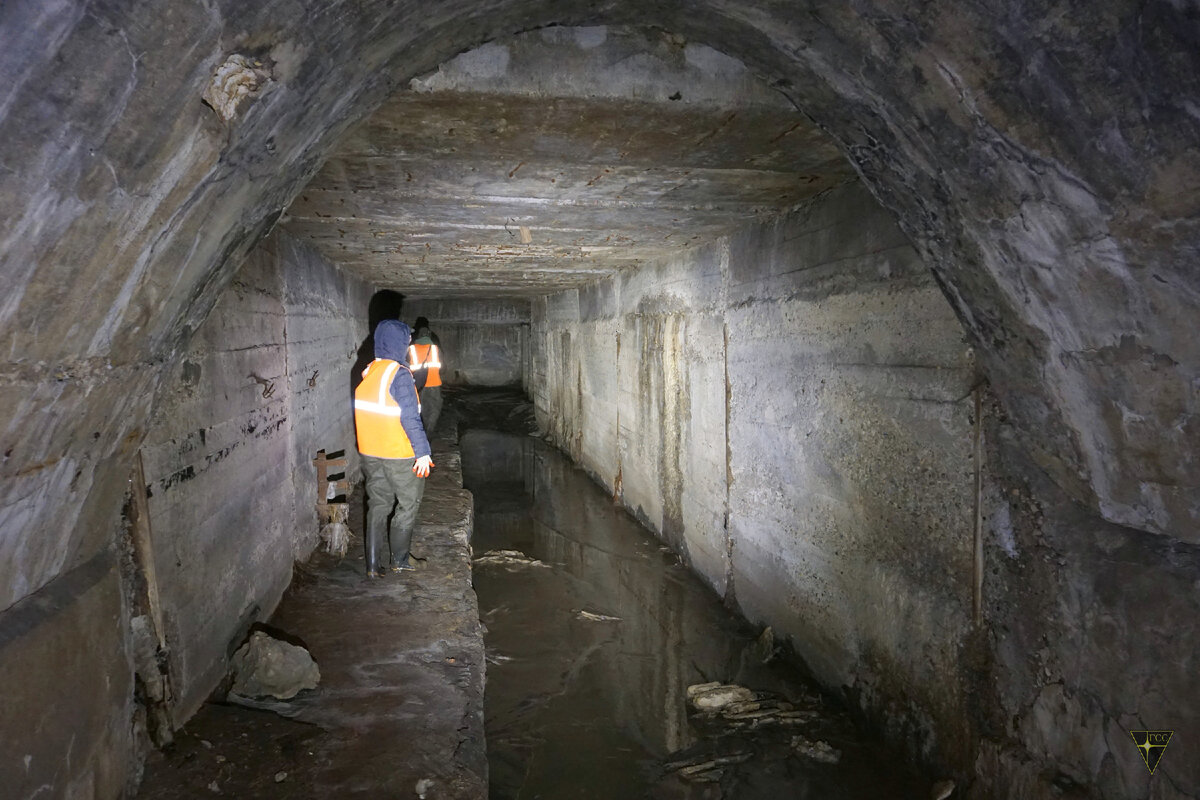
592	645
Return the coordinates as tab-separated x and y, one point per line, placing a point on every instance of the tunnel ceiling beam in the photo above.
431	193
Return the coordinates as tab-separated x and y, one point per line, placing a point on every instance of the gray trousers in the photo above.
431	408
391	482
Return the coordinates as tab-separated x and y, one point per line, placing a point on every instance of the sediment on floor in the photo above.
399	708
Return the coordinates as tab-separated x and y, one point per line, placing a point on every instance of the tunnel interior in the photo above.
850	309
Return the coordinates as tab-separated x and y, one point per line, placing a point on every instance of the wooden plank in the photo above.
977	543
144	547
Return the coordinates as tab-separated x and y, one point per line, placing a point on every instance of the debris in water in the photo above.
817	751
714	696
709	776
500	609
943	789
423	787
508	558
743	708
693	768
597	617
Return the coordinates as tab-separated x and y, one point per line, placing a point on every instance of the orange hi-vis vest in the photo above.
427	357
377	414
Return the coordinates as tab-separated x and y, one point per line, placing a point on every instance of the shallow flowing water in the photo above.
594	634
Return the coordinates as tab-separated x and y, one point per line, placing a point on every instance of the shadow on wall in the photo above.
385	304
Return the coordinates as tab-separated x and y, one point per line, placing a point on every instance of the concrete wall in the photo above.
1045	162
794	410
68	705
791	410
483	341
1090	632
228	458
851	476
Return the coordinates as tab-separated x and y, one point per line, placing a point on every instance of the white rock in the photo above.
507	558
237	79
942	790
710	697
817	751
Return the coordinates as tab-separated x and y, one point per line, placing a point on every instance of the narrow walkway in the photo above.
399	710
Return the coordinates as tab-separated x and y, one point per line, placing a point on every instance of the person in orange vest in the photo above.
395	451
425	361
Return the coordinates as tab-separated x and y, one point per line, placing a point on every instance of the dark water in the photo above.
597	708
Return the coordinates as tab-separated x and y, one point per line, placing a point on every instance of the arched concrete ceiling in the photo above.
604	149
1040	154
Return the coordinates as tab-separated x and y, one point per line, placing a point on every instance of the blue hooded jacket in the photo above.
391	342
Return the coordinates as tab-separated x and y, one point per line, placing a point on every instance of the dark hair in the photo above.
421	323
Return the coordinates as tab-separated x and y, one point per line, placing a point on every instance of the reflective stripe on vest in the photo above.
377	414
427	357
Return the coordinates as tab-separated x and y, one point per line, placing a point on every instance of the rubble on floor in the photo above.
400	699
265	666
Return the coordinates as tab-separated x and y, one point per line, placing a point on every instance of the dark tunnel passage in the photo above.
875	314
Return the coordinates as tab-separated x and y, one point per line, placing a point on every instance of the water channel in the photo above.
594	632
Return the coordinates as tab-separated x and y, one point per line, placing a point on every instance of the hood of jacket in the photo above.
391	340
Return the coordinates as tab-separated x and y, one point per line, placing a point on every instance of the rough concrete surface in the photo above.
1093	634
789	409
262	387
794	411
402	673
72	716
1040	156
546	161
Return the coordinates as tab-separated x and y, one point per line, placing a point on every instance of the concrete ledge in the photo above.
402	677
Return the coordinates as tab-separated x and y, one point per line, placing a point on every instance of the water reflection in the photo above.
591	653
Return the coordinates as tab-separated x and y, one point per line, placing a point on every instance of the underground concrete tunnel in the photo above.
879	315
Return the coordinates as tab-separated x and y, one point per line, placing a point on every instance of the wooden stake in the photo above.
143	546
977	583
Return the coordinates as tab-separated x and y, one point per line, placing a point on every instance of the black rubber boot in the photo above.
372	546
